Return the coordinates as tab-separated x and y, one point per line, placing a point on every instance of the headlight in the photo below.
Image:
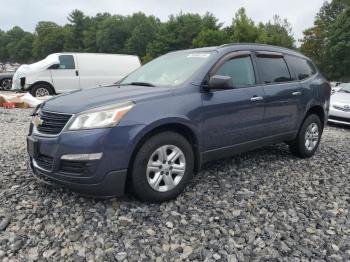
106	116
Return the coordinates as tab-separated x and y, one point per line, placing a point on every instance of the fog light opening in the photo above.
82	157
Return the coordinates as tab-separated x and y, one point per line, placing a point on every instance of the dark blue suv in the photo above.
152	130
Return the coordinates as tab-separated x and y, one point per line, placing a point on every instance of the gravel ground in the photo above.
261	205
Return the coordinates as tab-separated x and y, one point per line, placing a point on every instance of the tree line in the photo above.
327	42
145	36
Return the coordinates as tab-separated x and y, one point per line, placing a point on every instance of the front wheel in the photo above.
162	167
41	90
308	139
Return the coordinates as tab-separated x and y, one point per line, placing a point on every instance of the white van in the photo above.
66	72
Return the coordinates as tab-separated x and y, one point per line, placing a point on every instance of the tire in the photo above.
40	90
299	147
145	177
5	84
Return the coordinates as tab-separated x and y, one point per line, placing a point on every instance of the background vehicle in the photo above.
6	81
335	84
158	125
339	111
66	72
338	87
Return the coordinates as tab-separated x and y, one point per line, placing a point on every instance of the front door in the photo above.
233	116
65	77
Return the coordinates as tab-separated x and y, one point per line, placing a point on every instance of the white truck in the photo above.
67	72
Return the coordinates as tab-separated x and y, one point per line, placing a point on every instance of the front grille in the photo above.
53	123
337	118
44	162
74	167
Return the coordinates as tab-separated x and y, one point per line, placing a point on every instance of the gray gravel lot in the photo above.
261	205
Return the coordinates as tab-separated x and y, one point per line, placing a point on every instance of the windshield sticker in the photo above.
199	55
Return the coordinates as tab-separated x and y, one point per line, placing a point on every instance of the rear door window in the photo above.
240	70
301	67
66	62
273	70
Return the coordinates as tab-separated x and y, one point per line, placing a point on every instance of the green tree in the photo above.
3	42
339	46
74	32
22	50
90	33
278	32
112	35
144	30
210	37
243	28
49	38
326	40
179	32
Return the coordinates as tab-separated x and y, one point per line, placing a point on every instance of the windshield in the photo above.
345	88
169	70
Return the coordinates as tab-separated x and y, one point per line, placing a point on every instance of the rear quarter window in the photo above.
301	67
273	70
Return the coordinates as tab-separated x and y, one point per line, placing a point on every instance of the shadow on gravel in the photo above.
342	126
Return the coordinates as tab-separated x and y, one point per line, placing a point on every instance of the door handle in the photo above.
297	93
76	72
256	98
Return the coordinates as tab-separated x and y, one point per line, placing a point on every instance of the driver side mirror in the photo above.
220	82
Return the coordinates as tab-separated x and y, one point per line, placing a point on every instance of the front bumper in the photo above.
113	183
105	177
338	116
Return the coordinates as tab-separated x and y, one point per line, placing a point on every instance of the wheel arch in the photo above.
42	83
317	110
179	127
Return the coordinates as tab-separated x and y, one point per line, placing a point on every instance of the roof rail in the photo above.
258	44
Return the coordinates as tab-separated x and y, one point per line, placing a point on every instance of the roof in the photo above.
260	47
246	46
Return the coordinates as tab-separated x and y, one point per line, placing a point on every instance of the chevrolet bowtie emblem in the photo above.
37	121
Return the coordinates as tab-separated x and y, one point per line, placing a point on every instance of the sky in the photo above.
27	13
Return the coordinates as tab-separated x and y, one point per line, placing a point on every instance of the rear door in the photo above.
282	93
65	77
233	116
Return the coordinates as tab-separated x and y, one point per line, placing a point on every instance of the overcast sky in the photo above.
27	13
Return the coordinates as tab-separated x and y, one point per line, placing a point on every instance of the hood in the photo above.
340	98
79	101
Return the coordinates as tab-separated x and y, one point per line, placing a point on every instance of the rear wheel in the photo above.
6	84
162	167
41	90
308	139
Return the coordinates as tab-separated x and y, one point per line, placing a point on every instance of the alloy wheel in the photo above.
166	167
311	136
41	91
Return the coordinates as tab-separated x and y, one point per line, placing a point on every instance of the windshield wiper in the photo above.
141	84
134	84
